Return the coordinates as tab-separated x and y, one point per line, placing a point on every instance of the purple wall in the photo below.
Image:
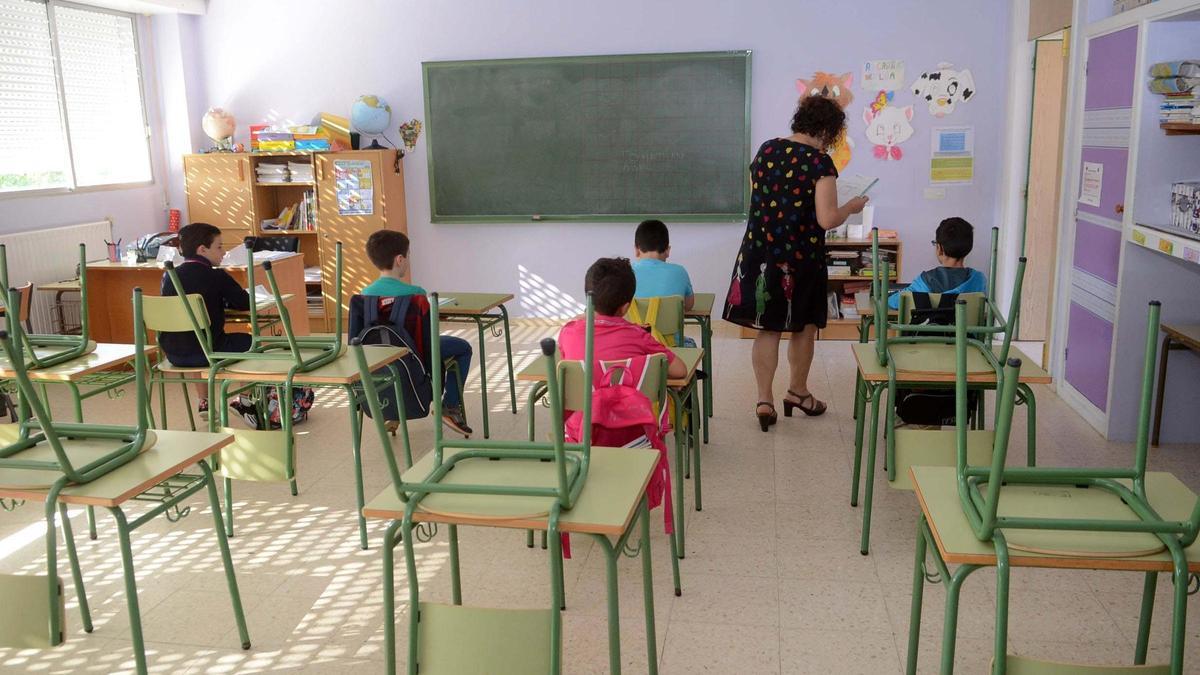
379	46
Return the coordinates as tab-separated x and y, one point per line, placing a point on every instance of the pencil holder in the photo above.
114	254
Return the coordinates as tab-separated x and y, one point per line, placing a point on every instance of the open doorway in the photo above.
1040	230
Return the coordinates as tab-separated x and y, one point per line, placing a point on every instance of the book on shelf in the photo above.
838	271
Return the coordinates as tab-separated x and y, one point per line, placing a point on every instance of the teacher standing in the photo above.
780	280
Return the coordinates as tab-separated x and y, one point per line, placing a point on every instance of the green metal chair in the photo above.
259	455
928	350
1082	513
45	351
496	483
105	462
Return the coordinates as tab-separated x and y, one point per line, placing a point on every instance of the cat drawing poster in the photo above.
888	126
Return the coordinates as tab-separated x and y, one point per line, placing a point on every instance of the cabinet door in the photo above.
355	198
1107	117
219	192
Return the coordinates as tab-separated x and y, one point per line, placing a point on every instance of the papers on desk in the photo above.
236	257
849	187
443	302
262	296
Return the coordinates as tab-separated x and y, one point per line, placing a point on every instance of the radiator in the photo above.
43	256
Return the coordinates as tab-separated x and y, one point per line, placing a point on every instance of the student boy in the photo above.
953	241
655	276
200	244
612	283
388	251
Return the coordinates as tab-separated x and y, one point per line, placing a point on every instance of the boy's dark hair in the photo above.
652	237
383	247
956	237
195	235
611	283
820	118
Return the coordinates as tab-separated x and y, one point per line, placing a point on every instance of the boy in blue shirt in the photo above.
655	276
953	242
388	251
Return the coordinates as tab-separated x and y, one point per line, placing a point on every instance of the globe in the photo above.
370	114
218	124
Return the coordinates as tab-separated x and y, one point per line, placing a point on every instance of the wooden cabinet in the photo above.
387	212
223	189
220	192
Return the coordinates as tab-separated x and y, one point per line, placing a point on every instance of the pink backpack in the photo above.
622	416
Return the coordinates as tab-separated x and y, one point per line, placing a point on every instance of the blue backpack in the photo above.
399	321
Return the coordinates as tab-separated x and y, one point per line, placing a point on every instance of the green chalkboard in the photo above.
589	138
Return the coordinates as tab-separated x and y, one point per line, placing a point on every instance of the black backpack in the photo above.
933	407
401	321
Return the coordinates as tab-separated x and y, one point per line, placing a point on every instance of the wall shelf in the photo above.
1180	128
1176	246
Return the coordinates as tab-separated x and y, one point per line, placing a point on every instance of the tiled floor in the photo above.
773	580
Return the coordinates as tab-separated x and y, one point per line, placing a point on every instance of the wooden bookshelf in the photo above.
1180	128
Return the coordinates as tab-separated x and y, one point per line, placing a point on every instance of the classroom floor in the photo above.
773	580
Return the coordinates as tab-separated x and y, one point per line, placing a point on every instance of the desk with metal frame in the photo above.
156	476
701	315
1174	337
341	373
477	308
682	392
60	288
612	502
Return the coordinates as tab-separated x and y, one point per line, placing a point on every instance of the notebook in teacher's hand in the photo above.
849	187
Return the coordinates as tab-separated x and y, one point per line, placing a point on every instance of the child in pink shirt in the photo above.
612	284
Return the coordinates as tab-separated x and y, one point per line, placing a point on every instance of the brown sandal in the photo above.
813	409
765	420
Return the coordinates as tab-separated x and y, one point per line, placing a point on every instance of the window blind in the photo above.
103	95
33	151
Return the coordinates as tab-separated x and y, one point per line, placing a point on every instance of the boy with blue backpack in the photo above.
388	251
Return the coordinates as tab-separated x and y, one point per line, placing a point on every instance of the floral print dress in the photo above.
779	278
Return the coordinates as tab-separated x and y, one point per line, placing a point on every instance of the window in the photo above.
71	112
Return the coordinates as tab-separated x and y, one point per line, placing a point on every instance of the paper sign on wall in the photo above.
1093	178
355	189
952	157
887	74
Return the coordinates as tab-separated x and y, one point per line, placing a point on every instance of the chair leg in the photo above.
76	575
1179	612
1149	586
228	507
950	621
680	442
1162	388
529	538
696	417
131	598
235	596
389	596
1031	422
91	521
187	403
648	587
918	597
512	380
869	488
356	452
455	578
483	392
162	405
675	565
860	404
1000	646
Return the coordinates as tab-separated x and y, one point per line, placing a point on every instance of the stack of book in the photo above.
316	304
1176	82
847	297
866	263
309	139
300	172
839	263
272	173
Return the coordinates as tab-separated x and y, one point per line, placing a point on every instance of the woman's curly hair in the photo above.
820	118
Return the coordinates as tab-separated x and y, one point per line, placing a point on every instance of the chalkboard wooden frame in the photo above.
733	216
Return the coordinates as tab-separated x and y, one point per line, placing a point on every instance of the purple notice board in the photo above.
1110	76
1097	250
1089	345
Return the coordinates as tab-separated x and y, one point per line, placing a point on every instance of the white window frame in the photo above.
62	108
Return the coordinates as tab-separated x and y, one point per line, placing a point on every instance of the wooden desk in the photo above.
691	357
110	293
485	310
155	476
613	493
701	315
341	373
1175	337
106	356
945	529
977	370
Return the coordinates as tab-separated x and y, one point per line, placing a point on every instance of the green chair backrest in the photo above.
36	426
976	304
62	348
305	352
572	378
979	486
571	460
166	313
664	314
